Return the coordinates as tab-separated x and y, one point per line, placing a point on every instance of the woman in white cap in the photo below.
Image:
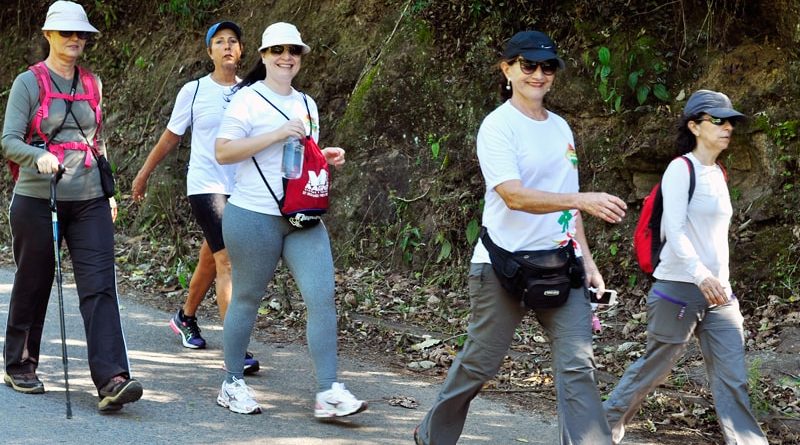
692	295
199	106
263	114
534	206
53	118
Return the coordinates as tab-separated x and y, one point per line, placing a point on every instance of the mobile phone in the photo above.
608	298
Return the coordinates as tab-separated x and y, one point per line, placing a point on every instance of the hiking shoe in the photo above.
251	365
238	397
187	328
26	382
117	392
337	402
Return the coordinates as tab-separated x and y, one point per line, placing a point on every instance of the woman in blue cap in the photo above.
529	163
199	106
692	295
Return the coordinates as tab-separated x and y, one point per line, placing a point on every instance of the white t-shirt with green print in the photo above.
542	155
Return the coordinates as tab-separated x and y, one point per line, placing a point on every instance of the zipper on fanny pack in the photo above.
680	303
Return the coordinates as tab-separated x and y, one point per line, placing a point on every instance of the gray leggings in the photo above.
255	242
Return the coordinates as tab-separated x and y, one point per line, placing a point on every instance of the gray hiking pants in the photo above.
719	330
495	316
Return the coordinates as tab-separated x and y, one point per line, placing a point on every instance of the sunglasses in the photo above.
717	120
528	67
83	35
295	50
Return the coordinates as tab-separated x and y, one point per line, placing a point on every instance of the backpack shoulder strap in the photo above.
91	91
692	179
191	107
42	75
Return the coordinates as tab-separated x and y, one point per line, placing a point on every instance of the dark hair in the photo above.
685	141
256	74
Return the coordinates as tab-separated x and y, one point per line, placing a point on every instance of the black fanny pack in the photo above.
538	278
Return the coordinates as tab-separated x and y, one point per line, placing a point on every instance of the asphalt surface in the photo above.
179	402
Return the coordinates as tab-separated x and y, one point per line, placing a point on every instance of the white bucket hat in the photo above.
282	33
67	16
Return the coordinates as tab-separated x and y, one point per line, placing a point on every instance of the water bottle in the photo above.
292	165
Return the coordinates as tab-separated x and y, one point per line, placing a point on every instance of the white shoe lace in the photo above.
339	393
239	390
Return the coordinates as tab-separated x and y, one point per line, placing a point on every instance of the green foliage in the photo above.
755	383
410	242
641	72
446	247
189	12
473	231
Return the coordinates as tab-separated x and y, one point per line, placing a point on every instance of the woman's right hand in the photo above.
139	187
47	163
294	128
713	291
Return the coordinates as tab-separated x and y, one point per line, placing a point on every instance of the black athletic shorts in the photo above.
207	209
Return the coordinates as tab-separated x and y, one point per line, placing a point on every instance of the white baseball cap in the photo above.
67	16
282	33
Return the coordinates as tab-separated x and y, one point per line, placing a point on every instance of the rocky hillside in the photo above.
404	85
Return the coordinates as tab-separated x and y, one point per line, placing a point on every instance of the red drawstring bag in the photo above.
305	199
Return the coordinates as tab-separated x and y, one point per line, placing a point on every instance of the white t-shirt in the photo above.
696	231
205	175
249	114
542	155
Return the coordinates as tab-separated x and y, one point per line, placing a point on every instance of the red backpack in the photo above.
46	95
647	242
305	199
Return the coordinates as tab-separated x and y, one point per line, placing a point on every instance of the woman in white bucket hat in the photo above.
53	119
266	112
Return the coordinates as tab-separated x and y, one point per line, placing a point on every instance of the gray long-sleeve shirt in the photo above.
78	183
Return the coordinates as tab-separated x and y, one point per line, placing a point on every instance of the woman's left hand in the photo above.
113	204
334	155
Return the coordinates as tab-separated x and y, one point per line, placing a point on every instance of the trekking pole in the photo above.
59	282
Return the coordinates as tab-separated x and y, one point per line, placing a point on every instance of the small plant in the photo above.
410	241
189	12
758	398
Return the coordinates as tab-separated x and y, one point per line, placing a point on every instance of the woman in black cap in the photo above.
529	163
199	106
692	294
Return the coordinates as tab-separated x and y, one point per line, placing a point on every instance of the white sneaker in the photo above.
238	397
337	402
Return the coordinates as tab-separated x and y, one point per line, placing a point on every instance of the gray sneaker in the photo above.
26	382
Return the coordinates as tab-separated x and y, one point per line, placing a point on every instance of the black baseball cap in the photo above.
219	27
534	46
712	103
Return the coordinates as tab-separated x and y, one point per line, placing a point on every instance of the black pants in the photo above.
89	233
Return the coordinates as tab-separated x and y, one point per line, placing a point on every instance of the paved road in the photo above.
181	385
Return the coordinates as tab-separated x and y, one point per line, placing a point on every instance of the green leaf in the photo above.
633	79
660	91
642	93
435	150
618	104
604	55
473	230
605	71
603	90
445	251
613	249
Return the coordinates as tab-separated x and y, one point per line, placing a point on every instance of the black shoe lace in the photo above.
191	323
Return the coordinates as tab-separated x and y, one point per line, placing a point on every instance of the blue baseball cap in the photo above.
712	103
533	45
219	27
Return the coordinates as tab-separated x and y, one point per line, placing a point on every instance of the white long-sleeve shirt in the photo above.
696	232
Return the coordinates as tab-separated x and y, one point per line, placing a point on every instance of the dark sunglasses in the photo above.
528	67
717	120
83	35
295	50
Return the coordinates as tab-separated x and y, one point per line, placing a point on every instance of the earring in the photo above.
508	85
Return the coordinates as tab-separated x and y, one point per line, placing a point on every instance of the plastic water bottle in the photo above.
292	165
